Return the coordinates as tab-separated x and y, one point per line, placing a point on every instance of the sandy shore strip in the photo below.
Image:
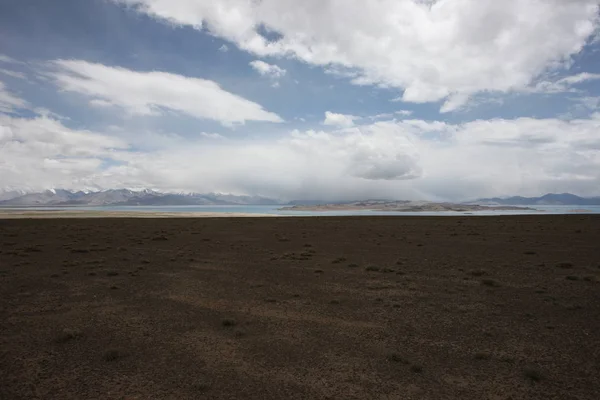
21	214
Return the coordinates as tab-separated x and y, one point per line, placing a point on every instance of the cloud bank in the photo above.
412	159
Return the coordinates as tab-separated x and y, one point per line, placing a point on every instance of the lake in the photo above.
274	210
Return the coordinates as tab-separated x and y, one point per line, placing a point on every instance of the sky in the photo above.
314	99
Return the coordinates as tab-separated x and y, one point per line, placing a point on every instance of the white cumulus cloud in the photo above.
149	93
9	101
270	71
209	135
339	120
11	73
41	152
565	84
9	60
430	50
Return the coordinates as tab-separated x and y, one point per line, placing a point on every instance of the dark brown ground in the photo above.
271	308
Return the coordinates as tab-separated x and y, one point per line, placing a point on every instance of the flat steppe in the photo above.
300	308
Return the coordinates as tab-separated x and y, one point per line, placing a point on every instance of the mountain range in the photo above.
550	199
125	197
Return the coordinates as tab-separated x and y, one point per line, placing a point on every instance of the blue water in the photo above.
274	210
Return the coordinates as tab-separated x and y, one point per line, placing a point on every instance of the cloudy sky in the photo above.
319	99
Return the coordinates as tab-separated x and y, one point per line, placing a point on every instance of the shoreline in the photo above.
144	214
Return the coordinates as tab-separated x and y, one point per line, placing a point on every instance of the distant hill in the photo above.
401	206
8	194
325	202
126	197
550	199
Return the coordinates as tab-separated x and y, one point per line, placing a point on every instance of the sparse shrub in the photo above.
478	272
67	335
482	356
396	358
352	265
201	385
533	374
32	249
572	278
490	283
416	368
80	251
564	265
228	322
112	355
112	273
338	260
372	268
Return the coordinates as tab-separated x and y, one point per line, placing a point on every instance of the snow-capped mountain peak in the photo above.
63	197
